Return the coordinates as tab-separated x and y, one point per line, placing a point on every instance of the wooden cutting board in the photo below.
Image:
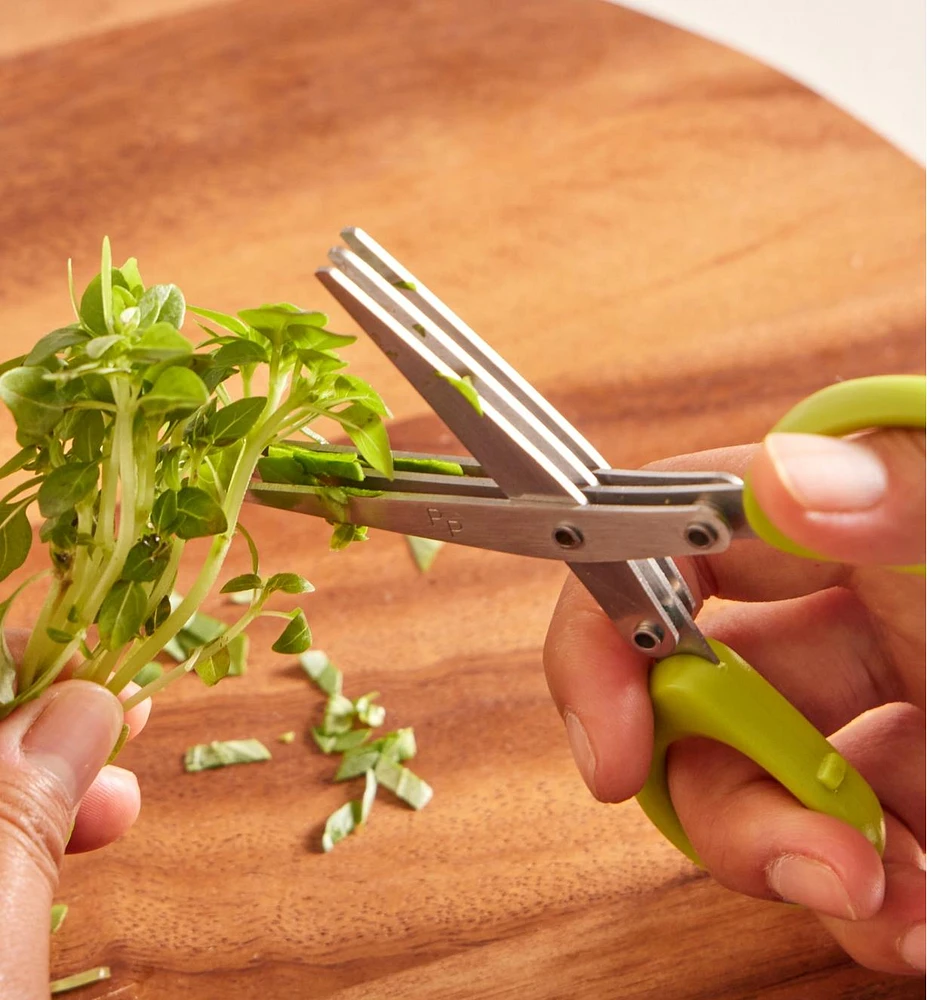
671	241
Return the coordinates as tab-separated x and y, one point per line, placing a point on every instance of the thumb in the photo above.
858	501
50	752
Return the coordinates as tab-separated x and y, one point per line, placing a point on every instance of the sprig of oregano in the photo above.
131	445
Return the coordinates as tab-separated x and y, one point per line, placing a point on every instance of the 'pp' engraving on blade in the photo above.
453	524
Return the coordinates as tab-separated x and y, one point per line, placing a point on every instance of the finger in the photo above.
137	716
757	839
859	500
893	939
599	684
107	811
50	751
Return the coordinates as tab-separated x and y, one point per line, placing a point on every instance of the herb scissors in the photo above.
534	486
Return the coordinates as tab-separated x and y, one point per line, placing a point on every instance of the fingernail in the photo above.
583	753
810	883
827	475
912	946
74	734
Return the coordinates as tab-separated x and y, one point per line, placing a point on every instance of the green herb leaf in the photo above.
52	343
241	352
351	816
296	637
164	512
122	614
344	534
288	583
15	539
224	320
160	342
33	400
79	979
58	912
369	713
366	430
65	487
238	654
89	432
59	635
161	303
98	346
146	561
424	551
246	581
441	466
232	422
205	756
21	459
339	742
176	390
212	671
466	389
198	515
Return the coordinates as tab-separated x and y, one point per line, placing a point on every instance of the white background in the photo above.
867	56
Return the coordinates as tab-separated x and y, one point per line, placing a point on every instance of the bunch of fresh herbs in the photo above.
131	445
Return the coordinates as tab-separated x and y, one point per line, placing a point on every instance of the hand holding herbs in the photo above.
131	445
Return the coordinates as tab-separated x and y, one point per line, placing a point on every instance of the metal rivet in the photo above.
648	636
701	535
568	537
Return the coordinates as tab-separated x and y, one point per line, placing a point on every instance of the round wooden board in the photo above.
671	241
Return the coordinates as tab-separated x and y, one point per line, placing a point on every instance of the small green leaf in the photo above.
241	352
58	912
160	342
205	756
343	465
366	430
361	392
176	390
79	979
161	304
158	616
52	343
339	742
232	422
145	562
133	278
32	399
281	469
198	515
65	487
246	581
296	637
98	346
122	614
441	466
238	654
150	672
59	635
212	671
466	389
289	583
164	512
344	534
89	432
15	539
224	320
21	459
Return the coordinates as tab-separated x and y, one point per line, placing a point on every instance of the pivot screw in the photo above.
648	636
701	535
568	537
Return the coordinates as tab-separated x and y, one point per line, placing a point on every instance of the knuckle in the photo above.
33	820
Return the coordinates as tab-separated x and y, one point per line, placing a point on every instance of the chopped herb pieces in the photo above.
466	389
352	815
79	979
441	466
321	670
205	756
58	912
424	551
288	737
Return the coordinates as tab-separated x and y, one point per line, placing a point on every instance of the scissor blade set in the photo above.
535	486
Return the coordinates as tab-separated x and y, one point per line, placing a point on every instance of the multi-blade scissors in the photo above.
535	487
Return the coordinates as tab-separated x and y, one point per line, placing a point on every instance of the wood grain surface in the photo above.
671	241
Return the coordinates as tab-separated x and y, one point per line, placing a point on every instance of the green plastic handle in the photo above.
733	704
842	408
